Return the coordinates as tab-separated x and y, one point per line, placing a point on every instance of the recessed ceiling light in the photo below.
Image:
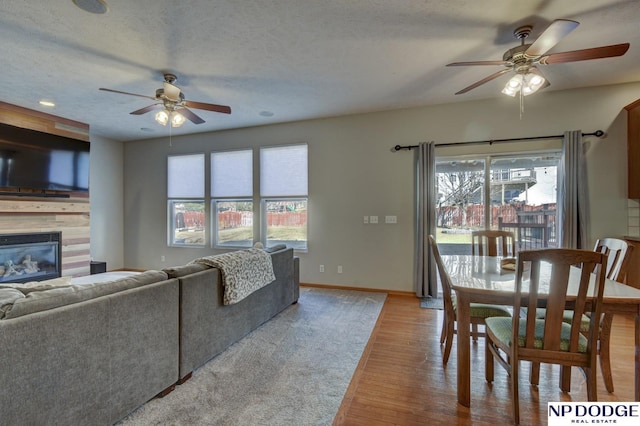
92	6
266	113
47	103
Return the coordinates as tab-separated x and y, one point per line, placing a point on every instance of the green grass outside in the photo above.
288	233
236	234
281	233
461	238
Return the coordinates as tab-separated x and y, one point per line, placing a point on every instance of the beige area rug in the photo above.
293	370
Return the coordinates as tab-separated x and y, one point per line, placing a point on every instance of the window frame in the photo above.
172	222
264	226
487	159
257	200
178	198
265	198
213	200
214	222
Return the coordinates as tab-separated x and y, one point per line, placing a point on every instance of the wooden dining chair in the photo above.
550	340
493	243
618	255
479	311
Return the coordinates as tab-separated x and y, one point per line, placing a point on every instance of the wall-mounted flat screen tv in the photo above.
41	161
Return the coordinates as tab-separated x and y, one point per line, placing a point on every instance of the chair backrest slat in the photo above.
493	243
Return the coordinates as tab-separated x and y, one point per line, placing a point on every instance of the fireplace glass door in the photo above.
29	257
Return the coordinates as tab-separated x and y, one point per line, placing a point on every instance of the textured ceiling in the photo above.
296	59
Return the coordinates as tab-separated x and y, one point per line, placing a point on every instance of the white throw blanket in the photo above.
243	272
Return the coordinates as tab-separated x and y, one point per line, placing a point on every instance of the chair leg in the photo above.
535	373
592	385
515	396
605	360
565	378
443	333
474	332
447	344
488	361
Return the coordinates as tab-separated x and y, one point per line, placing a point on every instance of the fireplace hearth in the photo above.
30	257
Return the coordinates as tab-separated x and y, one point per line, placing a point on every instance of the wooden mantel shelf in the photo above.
31	206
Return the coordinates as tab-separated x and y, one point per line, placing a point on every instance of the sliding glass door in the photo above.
513	192
524	198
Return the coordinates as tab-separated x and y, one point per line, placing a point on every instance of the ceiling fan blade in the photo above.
190	115
127	93
483	81
555	32
171	92
209	107
145	109
586	54
464	64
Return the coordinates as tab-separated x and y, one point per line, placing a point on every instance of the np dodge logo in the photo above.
571	413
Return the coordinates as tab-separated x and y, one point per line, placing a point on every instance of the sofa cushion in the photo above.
37	301
181	271
275	248
8	296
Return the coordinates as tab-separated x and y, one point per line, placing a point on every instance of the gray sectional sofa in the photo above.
208	327
91	354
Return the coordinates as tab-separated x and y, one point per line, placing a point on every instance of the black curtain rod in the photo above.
598	133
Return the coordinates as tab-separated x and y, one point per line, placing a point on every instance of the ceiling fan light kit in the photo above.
527	83
524	58
165	116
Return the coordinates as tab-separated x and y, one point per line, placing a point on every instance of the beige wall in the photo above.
353	173
106	182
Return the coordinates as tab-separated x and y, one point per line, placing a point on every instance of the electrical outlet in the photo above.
366	219
321	268
339	269
162	259
391	219
373	219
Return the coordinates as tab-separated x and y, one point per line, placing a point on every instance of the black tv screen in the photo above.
41	161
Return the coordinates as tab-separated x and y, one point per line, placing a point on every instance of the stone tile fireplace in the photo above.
30	257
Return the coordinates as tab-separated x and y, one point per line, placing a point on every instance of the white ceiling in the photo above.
297	59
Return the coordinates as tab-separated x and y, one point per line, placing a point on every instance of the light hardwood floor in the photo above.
400	379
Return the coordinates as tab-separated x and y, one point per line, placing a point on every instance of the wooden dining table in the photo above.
480	279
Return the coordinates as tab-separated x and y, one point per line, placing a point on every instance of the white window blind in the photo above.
232	174
185	176
283	171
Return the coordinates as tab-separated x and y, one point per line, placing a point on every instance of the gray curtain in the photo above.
425	281
572	193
